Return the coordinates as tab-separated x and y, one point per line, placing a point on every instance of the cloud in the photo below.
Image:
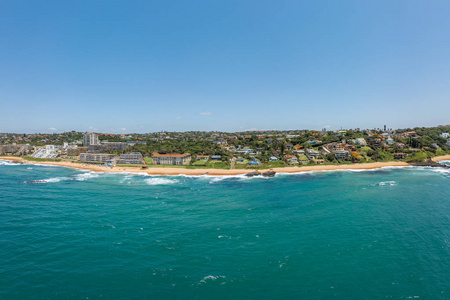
52	129
123	129
208	113
178	118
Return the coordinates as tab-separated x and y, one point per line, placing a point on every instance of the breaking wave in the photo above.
86	176
160	181
7	163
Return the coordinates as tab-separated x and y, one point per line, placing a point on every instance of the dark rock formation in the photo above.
430	163
269	174
252	174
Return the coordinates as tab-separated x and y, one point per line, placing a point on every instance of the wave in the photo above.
49	180
160	181
211	278
389	183
8	163
86	176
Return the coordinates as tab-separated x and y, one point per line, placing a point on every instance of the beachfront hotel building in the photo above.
89	139
96	157
171	159
134	158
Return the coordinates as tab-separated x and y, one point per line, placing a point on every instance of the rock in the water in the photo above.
251	174
430	163
269	174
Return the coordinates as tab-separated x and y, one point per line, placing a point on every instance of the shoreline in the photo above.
217	172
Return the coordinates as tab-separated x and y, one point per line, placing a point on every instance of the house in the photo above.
273	158
400	155
411	134
171	159
202	157
216	157
314	142
389	141
254	162
312	153
445	135
334	147
343	154
361	142
298	151
291	159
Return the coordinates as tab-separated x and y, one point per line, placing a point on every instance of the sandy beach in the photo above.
216	172
438	158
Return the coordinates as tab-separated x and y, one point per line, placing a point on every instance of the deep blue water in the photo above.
68	234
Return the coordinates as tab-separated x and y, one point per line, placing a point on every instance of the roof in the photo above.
170	155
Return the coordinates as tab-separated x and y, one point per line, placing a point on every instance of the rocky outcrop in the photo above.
269	174
430	163
252	174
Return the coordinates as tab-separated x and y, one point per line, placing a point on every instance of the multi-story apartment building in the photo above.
130	159
96	157
89	139
171	159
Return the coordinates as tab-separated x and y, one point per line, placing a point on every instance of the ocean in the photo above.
72	234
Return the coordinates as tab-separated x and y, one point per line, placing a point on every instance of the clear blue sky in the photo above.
142	66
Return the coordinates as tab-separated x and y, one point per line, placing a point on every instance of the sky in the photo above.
146	66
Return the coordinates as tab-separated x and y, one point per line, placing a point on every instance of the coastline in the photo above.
217	172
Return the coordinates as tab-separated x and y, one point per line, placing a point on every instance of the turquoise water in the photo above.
67	234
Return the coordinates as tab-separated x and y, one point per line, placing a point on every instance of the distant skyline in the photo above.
147	66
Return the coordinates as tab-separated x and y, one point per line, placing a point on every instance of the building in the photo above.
96	157
273	158
90	138
134	158
291	159
343	154
360	142
445	135
108	146
216	157
132	143
171	159
312	154
75	151
254	162
400	155
202	157
334	147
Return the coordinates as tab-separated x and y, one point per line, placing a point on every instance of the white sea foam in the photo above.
389	183
160	181
49	180
7	163
86	176
211	278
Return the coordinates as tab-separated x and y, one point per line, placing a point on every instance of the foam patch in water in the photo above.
160	181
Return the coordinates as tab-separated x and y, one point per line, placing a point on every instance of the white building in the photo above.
445	135
361	142
89	139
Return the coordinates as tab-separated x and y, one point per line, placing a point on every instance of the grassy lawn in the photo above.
200	163
129	166
40	159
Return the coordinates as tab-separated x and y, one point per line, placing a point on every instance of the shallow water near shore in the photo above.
70	234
